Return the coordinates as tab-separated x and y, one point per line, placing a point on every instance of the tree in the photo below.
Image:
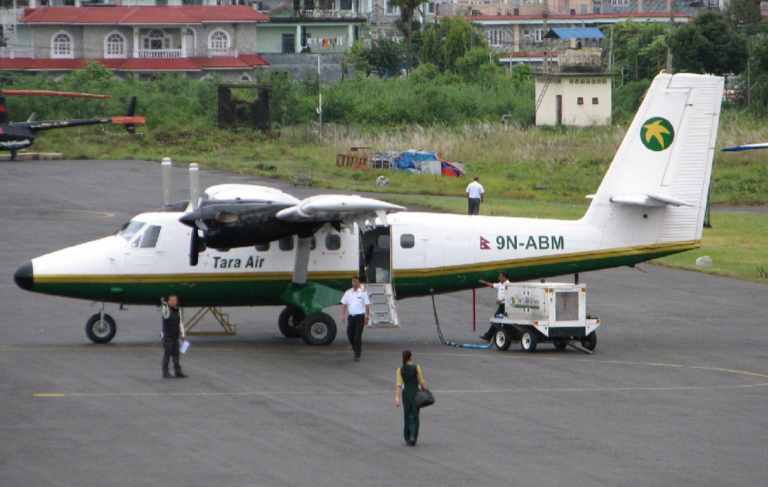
450	40
641	49
383	57
407	9
710	44
745	16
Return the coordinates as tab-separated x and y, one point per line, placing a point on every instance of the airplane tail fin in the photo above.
654	195
3	110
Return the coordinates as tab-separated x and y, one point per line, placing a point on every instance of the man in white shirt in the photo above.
475	192
357	306
501	296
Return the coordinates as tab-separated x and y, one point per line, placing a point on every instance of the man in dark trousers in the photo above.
357	305
172	331
501	299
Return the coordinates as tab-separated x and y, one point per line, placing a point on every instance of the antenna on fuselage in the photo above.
194	186
166	166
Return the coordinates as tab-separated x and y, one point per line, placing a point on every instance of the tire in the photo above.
561	344
502	339
289	322
590	341
318	329
529	340
100	331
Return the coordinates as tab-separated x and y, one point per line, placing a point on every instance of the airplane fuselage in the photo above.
418	253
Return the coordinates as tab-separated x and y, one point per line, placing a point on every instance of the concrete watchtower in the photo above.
578	92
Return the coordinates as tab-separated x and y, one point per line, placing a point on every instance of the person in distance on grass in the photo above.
475	192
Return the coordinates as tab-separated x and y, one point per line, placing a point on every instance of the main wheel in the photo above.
318	329
529	340
100	331
590	341
502	339
289	322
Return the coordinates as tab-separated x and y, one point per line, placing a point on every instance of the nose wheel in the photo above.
100	328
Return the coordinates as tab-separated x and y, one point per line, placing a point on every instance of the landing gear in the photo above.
318	329
100	328
289	322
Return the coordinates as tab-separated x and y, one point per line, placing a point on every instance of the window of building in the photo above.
289	43
114	46
218	42
407	241
496	37
620	3
594	101
345	5
580	100
61	46
245	77
333	241
285	244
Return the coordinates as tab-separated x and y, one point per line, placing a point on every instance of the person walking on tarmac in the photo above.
501	296
409	379
475	193
173	329
357	305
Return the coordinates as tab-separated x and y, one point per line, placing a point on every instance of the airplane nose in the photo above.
24	276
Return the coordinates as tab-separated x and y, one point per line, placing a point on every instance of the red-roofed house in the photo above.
196	40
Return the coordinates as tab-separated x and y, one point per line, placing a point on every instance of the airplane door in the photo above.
376	255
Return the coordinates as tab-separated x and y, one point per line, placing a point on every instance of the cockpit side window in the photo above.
130	229
150	236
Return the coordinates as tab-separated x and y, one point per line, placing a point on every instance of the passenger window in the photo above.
407	241
285	243
332	241
383	242
150	236
262	247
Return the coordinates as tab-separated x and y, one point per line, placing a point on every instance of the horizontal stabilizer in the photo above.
248	192
746	147
647	200
335	207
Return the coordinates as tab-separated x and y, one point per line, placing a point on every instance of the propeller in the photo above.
194	247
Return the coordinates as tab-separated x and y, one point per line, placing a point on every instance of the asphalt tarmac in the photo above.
676	393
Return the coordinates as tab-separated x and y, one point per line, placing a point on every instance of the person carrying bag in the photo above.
409	379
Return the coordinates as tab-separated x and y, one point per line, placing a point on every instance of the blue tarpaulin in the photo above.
576	33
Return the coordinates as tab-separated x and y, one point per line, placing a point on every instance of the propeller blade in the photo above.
194	186
194	248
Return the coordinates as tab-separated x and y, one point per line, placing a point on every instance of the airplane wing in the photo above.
231	216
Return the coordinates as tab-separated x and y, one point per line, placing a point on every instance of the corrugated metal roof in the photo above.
577	33
186	14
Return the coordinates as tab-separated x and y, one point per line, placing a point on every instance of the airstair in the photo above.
383	312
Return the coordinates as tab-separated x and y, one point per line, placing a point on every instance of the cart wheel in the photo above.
503	339
561	344
590	341
529	340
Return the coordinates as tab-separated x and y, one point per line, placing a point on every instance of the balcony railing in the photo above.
158	53
17	52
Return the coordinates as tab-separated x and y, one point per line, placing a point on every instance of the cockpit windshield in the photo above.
130	229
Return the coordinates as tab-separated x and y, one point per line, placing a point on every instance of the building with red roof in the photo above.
193	39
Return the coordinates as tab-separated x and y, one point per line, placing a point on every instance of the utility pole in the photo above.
320	95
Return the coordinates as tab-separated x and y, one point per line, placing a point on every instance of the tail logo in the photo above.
657	134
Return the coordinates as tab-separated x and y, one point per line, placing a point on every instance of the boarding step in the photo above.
383	312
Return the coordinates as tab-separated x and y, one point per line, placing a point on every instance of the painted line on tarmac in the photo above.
381	392
64	210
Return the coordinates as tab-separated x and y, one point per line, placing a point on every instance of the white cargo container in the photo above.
546	312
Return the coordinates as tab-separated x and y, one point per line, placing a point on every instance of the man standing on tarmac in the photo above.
501	296
173	329
475	192
357	305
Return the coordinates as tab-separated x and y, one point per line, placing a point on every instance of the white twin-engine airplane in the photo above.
248	245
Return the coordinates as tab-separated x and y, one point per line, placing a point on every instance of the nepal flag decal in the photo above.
485	244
